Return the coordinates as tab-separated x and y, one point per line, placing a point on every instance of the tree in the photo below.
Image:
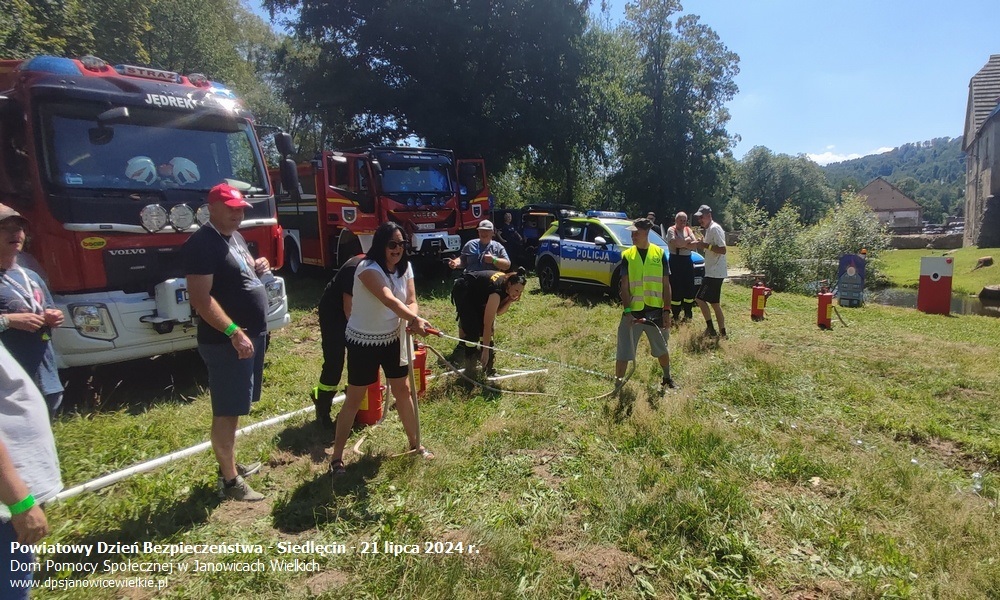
673	142
30	27
771	181
120	39
484	77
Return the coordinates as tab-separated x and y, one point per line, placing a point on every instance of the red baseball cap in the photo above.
228	195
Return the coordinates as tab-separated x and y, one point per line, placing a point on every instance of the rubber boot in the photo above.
488	368
471	359
323	401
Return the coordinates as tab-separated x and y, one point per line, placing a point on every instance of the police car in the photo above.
588	251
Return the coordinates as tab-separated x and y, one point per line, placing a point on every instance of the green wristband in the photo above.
233	328
628	310
23	506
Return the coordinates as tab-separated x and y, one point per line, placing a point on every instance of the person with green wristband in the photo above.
226	290
29	473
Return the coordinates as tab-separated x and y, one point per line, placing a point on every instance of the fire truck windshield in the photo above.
415	179
152	149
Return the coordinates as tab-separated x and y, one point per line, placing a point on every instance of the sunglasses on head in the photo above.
393	244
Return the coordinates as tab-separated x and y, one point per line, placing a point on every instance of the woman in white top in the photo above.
385	304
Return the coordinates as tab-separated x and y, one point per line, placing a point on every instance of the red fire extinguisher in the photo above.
824	313
758	300
371	410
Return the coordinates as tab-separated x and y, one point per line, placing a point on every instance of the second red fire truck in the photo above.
437	199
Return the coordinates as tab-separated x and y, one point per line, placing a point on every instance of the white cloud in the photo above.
830	156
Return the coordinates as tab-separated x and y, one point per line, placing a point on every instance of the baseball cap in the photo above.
641	223
486	225
7	212
704	208
228	195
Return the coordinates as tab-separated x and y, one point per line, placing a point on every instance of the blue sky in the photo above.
839	79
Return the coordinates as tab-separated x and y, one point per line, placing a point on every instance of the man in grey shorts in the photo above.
645	291
225	289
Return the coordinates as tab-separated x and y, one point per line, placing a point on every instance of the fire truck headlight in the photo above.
202	215
153	217
181	217
93	321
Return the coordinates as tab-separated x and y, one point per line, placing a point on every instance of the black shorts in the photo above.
710	290
363	363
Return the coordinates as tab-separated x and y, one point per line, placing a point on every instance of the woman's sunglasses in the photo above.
393	244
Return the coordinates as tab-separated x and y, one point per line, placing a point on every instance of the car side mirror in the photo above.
600	241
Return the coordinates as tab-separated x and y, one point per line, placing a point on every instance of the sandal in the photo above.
337	467
423	453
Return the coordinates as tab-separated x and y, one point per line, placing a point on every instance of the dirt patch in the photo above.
239	514
541	468
951	454
600	567
325	581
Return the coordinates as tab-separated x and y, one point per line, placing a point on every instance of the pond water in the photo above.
960	304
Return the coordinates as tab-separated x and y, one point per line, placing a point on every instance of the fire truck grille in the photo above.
134	270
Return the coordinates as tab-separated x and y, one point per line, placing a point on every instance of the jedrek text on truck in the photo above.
112	166
344	195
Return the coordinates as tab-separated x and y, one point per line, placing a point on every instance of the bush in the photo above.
845	229
771	247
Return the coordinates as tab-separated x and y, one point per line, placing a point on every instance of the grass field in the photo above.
792	463
902	267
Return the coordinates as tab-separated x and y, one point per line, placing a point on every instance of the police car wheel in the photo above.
548	276
616	280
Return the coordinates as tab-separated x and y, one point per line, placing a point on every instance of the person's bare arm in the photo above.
31	525
210	311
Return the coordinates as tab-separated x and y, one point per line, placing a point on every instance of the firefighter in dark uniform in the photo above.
334	309
680	240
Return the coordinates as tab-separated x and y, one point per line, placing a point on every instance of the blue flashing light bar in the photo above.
52	64
606	214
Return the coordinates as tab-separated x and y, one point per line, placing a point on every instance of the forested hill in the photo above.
931	172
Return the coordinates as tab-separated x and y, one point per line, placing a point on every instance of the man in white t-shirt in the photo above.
713	247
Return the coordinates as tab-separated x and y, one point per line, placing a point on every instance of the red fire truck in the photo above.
437	199
112	166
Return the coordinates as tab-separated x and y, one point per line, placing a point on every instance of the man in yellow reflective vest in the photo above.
645	290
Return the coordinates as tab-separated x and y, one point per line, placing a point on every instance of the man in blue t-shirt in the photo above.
483	253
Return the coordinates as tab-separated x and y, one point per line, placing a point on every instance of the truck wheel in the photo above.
548	276
293	262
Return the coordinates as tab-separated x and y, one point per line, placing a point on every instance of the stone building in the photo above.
982	162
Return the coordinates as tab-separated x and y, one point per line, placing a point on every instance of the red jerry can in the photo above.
758	300
370	411
420	368
934	288
824	313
